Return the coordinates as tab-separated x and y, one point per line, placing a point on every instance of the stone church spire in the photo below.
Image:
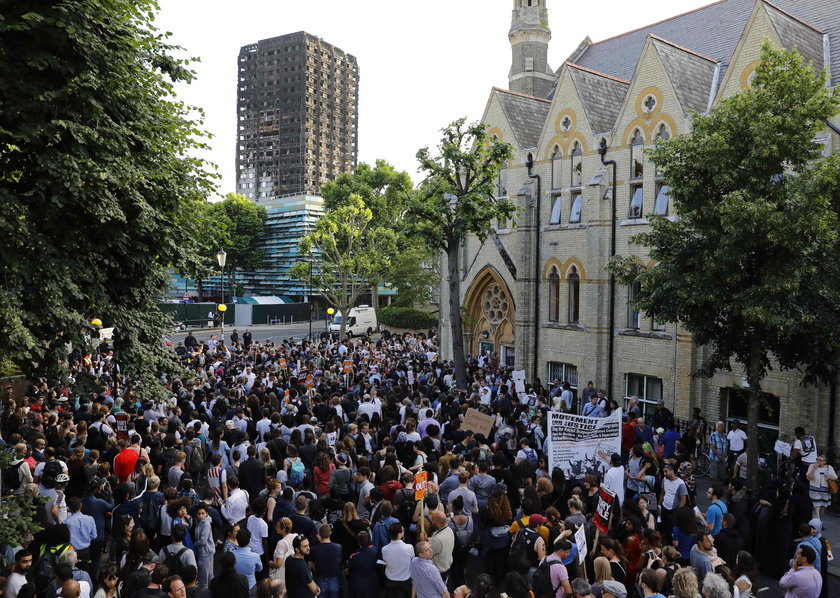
529	35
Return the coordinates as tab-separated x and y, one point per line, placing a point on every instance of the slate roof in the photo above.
714	31
601	96
795	33
691	74
526	115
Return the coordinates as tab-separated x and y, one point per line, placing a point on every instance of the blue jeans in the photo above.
329	587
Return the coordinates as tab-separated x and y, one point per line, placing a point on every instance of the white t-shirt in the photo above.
614	480
737	439
673	490
259	530
284	550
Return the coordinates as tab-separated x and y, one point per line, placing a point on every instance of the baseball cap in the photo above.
537	519
615	588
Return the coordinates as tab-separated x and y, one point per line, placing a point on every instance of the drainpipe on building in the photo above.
537	269
602	151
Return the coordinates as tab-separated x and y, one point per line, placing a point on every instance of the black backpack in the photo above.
173	560
541	584
522	553
50	472
46	566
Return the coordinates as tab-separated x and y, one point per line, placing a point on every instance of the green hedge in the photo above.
405	317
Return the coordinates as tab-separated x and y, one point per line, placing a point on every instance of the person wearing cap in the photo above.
342	477
808	537
613	589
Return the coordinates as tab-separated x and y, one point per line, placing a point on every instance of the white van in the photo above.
362	320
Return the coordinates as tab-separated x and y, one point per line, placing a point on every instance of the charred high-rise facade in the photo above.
297	106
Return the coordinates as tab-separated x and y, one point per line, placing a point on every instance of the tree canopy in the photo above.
457	199
347	249
96	176
244	222
750	266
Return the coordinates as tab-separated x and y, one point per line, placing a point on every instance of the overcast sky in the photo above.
423	63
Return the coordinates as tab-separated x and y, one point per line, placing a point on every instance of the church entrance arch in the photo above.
491	316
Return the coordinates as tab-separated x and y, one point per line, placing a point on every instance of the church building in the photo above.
537	293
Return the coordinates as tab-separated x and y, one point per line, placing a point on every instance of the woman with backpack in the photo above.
293	466
462	526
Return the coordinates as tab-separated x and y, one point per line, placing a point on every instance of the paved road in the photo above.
262	332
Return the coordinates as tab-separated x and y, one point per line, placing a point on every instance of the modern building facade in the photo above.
297	106
539	295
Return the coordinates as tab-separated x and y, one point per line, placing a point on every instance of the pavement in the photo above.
262	332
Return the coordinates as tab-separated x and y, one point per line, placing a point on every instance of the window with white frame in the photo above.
575	207
648	389
634	316
556	208
565	372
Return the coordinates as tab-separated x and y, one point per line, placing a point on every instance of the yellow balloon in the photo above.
222	307
96	322
330	310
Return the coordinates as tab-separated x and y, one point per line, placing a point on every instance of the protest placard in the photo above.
478	422
577	444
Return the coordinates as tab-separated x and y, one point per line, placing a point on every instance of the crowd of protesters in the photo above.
288	469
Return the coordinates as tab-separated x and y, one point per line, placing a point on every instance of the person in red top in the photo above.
628	437
126	460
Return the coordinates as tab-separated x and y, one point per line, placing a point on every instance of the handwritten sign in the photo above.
421	482
348	366
606	500
478	422
283	364
580	540
783	448
410	376
519	380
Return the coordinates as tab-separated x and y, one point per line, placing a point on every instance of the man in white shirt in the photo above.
236	505
805	449
397	556
614	477
737	442
23	563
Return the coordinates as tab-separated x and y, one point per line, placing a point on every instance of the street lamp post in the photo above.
221	257
330	312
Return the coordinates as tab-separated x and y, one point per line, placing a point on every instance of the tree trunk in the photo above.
456	325
753	377
374	295
199	289
345	313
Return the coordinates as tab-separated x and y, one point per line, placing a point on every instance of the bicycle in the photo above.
703	465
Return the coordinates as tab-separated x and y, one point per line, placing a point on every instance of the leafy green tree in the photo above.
415	274
96	172
346	250
245	224
386	193
750	268
455	200
18	513
204	231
